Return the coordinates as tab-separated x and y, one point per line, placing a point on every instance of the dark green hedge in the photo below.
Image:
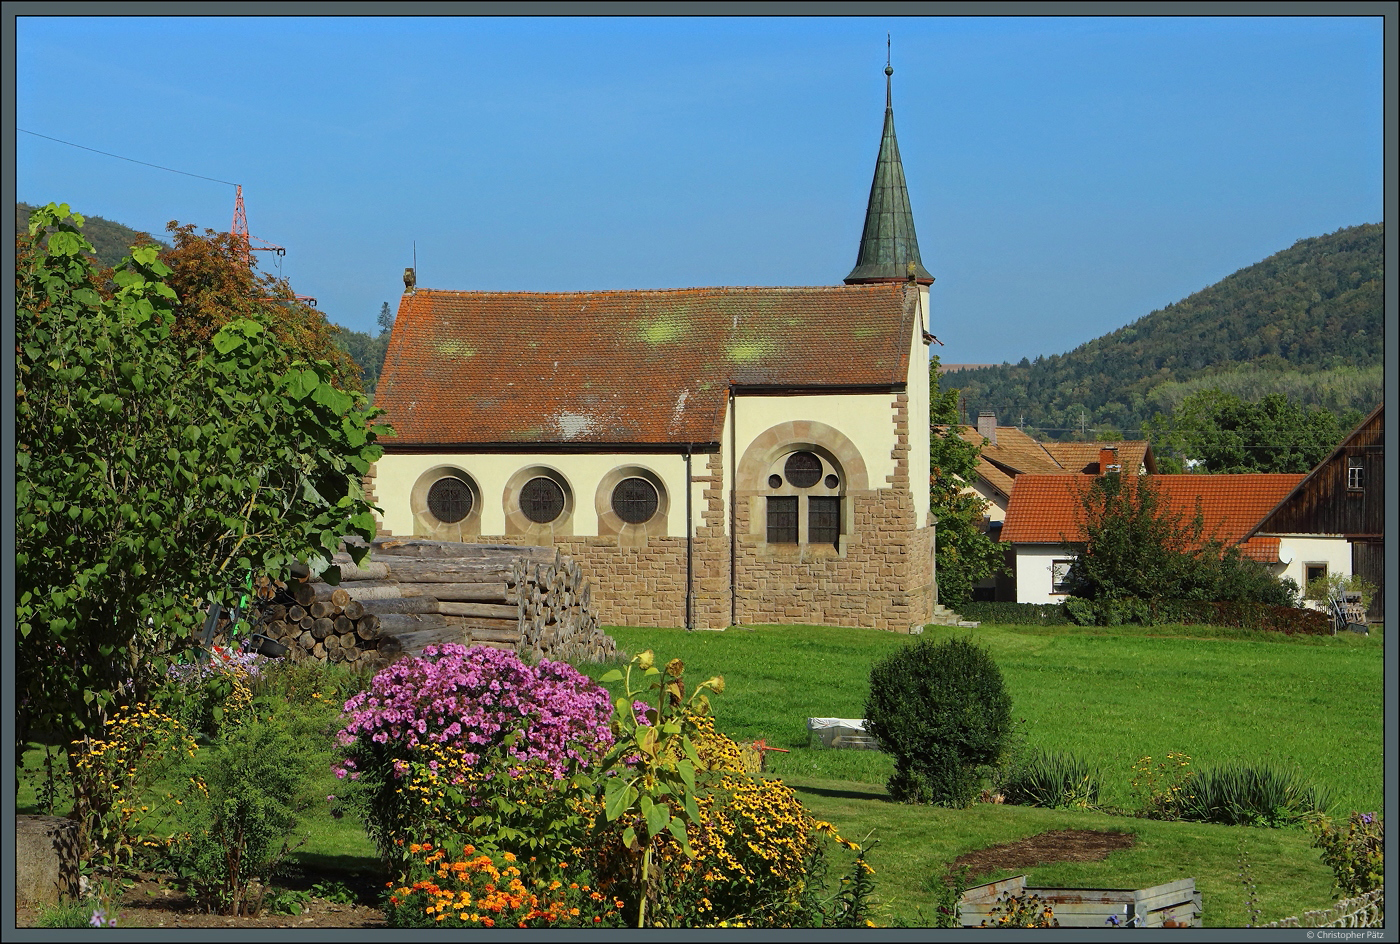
1016	614
1281	619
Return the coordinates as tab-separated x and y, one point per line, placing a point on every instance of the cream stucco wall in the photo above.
865	419
1033	579
397	473
1299	550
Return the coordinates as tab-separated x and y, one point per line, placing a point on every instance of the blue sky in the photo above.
1068	175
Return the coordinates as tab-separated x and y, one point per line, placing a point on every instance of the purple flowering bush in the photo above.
436	737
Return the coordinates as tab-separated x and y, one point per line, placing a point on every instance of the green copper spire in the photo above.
888	246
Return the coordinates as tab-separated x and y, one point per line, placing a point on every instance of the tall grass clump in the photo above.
1249	795
1053	780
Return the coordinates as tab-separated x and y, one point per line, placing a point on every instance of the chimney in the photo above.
1108	460
987	426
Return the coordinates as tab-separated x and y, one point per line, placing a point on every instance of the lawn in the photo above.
1110	695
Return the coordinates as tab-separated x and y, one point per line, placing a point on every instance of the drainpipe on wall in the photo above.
689	549
733	522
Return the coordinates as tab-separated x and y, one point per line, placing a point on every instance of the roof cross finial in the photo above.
889	71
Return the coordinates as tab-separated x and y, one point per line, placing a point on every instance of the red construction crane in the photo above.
243	242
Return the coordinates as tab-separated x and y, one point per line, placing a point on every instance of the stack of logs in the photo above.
413	593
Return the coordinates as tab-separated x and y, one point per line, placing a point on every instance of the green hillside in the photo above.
1305	322
113	241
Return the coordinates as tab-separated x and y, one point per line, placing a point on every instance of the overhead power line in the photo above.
131	159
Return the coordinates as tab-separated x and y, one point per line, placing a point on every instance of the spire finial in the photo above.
889	71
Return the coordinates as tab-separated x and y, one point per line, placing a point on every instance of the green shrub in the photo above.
1016	614
1054	781
1245	795
258	782
941	709
1262	616
1354	852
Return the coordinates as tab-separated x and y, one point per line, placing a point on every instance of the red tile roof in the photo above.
1046	509
1133	454
633	367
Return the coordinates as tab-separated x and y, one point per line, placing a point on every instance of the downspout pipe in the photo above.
689	548
733	520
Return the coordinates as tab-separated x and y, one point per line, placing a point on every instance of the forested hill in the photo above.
1306	322
113	241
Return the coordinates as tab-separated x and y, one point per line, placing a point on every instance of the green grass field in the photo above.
1111	695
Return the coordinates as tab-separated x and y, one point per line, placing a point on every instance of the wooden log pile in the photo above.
412	593
316	621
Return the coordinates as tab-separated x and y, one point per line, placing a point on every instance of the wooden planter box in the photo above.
1173	905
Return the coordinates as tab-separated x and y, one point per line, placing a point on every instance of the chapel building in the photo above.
711	456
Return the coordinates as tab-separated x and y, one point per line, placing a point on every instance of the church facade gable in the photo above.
710	456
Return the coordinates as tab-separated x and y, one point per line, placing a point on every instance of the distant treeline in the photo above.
1305	322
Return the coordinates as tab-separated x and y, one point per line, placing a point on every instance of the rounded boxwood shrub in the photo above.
941	709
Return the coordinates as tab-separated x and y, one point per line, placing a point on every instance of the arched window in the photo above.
542	500
804	506
634	500
446	504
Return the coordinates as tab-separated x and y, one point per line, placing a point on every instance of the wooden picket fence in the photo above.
1363	911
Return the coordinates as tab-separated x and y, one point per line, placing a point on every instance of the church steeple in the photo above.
889	250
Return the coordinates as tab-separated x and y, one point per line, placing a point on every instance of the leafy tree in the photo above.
1228	434
214	286
367	351
964	553
1137	547
150	476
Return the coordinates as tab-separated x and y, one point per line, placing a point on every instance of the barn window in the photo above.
782	519
542	500
634	500
1356	473
450	500
1313	572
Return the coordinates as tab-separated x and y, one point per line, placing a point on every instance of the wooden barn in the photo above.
1344	495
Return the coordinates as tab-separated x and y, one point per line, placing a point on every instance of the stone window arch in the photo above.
446	504
799	479
530	495
620	496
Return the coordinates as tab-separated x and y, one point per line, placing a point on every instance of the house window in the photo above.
1313	572
634	500
1059	576
542	500
823	521
1356	474
782	519
450	500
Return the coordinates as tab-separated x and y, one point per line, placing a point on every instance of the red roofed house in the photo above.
1343	498
1009	452
711	456
1044	522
